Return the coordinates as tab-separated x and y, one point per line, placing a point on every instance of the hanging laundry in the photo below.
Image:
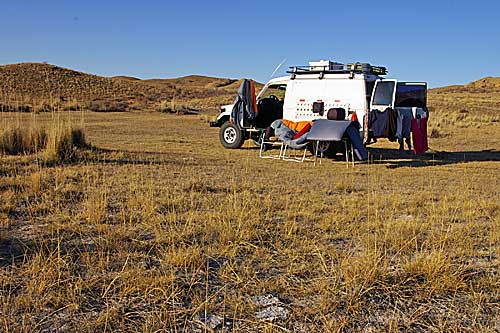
383	123
403	129
419	133
377	122
390	128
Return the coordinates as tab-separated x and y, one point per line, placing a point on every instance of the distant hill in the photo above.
126	78
199	82
488	85
36	86
478	100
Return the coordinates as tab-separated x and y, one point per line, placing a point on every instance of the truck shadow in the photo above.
393	158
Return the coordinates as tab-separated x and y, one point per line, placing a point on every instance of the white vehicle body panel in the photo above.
334	90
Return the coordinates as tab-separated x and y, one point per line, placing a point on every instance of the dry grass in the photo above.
18	140
35	87
58	143
162	225
473	105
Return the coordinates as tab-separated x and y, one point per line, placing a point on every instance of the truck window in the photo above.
276	90
410	95
383	93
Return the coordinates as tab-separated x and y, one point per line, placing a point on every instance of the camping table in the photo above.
328	130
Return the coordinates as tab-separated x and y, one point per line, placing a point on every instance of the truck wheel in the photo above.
231	136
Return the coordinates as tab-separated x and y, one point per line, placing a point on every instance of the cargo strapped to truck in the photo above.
336	68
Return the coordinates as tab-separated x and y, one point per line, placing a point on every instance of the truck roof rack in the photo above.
322	68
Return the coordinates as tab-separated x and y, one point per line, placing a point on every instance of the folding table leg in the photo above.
316	152
346	153
352	154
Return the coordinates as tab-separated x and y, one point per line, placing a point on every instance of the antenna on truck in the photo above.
276	69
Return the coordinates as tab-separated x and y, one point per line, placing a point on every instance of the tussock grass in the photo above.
63	141
17	140
58	142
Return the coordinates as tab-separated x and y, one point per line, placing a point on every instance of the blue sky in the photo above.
442	41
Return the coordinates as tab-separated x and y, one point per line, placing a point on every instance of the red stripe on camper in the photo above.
302	100
337	101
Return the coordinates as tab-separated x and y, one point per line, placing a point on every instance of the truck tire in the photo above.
231	136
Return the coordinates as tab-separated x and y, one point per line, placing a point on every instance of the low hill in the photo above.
126	78
35	86
199	82
485	85
473	103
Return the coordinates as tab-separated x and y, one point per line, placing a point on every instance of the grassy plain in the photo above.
158	227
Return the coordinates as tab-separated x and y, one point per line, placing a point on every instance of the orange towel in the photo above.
296	126
252	94
303	131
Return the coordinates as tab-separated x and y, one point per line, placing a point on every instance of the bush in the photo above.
435	133
16	108
108	105
173	107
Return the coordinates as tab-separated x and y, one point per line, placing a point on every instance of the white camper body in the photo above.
334	90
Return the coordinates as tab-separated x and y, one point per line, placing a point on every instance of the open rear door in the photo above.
384	95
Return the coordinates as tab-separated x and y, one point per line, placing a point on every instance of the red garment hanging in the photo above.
419	134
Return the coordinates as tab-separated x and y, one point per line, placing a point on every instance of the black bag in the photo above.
336	114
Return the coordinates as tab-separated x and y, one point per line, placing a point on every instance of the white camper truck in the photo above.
309	91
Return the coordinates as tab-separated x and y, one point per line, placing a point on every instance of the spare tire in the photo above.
231	136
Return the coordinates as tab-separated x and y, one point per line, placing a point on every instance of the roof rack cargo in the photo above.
328	67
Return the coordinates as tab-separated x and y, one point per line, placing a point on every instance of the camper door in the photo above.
384	94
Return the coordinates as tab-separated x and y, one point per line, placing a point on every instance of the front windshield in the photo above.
277	90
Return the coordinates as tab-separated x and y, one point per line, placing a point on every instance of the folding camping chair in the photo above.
295	158
324	130
271	142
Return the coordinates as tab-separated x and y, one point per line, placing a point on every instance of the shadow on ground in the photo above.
395	159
